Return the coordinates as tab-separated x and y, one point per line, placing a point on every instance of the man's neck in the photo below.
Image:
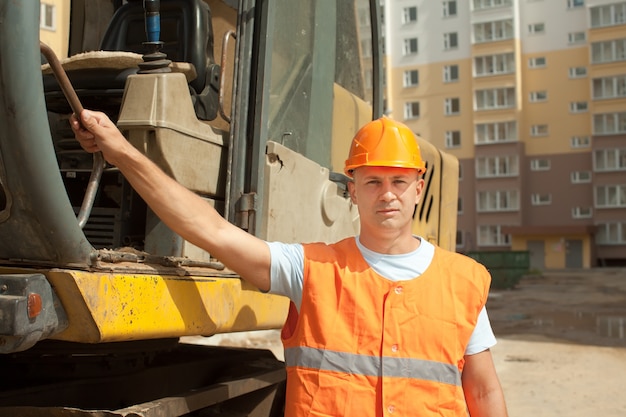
389	243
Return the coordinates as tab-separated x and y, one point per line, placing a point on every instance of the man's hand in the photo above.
96	132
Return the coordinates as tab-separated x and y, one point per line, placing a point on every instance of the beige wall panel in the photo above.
555	111
608	106
606	33
607	70
57	39
432	96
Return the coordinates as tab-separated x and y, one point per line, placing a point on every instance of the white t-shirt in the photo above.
287	277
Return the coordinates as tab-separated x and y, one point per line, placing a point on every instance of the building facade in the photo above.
54	19
530	96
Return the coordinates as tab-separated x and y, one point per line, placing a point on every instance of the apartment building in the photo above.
530	95
53	23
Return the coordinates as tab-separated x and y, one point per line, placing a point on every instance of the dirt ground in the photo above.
561	343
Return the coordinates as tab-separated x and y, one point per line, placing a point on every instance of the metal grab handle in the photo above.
225	42
77	108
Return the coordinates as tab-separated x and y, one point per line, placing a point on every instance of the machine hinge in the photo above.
245	210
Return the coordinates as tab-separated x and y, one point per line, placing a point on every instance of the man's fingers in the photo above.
88	120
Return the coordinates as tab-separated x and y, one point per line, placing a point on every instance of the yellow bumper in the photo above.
110	307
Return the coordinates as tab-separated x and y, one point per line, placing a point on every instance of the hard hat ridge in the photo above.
384	142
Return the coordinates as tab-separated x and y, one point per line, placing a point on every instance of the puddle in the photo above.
583	327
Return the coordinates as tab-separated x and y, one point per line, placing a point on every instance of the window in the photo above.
577	37
610	196
608	51
459	239
536	28
611	233
539	130
609	87
540	199
609	123
488	4
453	139
450	73
490	235
501	200
450	40
608	15
410	46
452	106
494	64
47	17
496	132
409	15
536	96
581	212
497	166
580	177
537	62
493	31
412	110
577	72
575	3
539	164
580	141
449	8
497	98
578	106
609	160
411	78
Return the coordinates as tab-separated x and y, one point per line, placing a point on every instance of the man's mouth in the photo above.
388	210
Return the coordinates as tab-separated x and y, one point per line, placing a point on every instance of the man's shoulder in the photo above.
457	259
342	246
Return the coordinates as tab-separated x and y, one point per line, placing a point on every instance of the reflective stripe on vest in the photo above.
350	363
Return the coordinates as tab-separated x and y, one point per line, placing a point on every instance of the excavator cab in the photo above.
304	87
252	105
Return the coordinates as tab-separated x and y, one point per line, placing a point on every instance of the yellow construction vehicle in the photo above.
251	104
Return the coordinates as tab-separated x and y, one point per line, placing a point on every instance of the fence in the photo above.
506	267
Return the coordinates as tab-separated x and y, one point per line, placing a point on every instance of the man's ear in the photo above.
352	191
419	188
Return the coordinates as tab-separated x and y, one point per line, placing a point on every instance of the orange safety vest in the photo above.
363	345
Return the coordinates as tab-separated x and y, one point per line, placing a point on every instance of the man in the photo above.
383	323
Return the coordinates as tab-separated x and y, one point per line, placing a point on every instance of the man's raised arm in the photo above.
180	209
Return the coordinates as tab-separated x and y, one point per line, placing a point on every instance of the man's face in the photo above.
386	196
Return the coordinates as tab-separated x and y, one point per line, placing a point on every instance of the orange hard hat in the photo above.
387	143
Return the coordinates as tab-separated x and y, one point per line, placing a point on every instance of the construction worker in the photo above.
383	323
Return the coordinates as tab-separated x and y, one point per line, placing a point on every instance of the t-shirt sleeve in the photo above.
287	270
482	338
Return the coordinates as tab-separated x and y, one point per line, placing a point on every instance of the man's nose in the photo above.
387	192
